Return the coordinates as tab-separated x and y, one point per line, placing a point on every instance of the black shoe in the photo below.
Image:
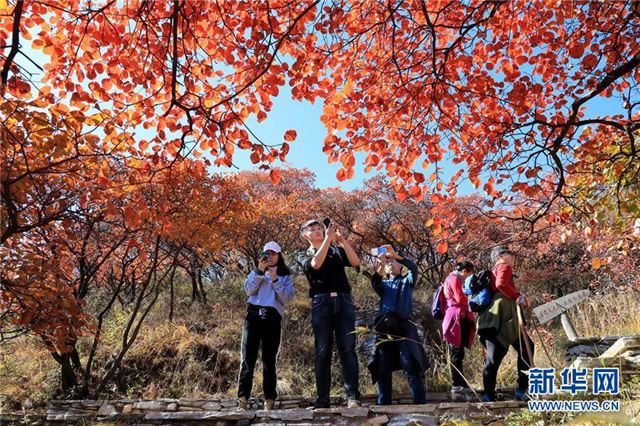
321	404
486	398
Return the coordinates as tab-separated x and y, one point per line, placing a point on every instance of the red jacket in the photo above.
502	281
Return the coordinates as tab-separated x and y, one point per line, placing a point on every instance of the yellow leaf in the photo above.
596	264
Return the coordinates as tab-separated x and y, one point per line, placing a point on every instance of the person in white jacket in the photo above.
269	288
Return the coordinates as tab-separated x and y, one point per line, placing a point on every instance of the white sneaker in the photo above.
458	389
353	403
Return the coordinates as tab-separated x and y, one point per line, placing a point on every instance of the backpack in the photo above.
389	324
478	288
439	305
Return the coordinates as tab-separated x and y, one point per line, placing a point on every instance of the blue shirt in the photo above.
262	292
396	294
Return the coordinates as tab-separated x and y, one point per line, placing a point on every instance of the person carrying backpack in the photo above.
498	326
458	326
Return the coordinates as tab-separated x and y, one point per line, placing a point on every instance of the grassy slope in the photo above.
197	355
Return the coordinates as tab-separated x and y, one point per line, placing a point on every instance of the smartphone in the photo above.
326	222
264	256
378	251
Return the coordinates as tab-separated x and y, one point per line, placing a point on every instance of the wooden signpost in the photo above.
559	307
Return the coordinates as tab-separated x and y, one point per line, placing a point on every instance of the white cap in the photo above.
273	246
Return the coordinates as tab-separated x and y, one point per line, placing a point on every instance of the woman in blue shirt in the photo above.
400	348
269	288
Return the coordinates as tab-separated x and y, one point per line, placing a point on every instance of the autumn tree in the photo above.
415	85
274	212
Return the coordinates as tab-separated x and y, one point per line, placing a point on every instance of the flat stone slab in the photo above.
295	414
68	417
501	404
343	411
377	420
202	415
404	409
150	405
413	420
211	406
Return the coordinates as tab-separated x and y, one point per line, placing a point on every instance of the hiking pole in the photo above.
536	328
521	327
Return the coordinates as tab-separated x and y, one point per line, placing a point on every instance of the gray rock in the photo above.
377	420
190	402
355	412
127	409
295	414
413	420
189	409
403	409
201	415
342	411
107	410
66	417
150	406
172	407
92	404
229	403
125	401
327	411
501	404
212	406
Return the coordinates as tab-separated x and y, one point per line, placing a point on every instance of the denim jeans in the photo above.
388	352
337	315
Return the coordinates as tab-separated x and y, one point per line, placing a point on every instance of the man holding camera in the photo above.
397	344
332	309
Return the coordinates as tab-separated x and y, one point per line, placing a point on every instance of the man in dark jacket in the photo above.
397	343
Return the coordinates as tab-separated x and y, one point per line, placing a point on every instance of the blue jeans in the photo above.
388	352
337	315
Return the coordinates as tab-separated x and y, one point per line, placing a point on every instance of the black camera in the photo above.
326	222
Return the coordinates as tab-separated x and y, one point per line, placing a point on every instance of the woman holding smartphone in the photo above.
269	288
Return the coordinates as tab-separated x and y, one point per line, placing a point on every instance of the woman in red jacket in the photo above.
504	312
458	326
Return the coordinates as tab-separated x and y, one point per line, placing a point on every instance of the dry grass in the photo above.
28	374
197	355
610	314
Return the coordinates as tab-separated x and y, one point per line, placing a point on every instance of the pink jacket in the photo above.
457	311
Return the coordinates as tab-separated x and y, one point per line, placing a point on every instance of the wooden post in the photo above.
567	325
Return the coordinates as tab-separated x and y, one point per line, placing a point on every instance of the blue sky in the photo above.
305	151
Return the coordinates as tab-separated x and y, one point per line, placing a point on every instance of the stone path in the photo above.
288	411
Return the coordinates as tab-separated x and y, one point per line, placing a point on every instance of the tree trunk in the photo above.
203	295
195	292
